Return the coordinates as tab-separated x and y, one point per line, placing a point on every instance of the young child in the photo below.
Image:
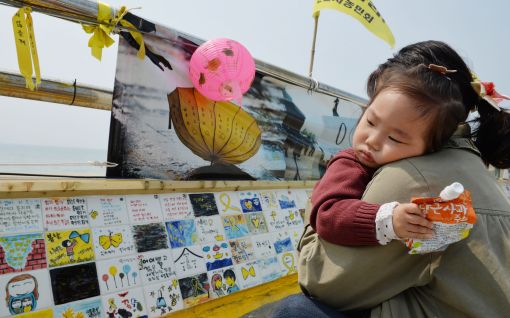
413	111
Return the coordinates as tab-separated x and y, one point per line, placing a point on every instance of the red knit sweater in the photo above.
338	214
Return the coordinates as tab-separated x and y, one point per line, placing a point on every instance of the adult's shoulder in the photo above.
428	175
425	175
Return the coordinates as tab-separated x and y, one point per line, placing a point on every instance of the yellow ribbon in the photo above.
101	32
226	201
25	46
288	263
137	36
248	272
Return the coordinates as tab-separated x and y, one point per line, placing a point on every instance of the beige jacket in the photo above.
470	279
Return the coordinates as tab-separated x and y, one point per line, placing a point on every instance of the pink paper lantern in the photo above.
222	70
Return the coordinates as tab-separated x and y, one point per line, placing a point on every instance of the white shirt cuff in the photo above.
384	223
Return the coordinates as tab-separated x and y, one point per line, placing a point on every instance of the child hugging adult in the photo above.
429	83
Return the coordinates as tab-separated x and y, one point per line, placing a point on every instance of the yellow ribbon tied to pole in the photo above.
26	49
101	33
362	10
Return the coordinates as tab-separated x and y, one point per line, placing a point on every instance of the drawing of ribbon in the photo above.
84	237
290	267
227	205
248	272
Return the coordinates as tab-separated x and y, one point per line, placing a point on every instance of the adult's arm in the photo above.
362	277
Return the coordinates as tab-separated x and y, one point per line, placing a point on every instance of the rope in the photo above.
88	163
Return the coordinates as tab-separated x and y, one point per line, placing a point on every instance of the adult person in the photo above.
471	278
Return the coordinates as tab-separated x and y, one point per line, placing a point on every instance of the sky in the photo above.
275	31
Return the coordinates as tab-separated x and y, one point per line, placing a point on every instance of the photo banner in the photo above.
162	128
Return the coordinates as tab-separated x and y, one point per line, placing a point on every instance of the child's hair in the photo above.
446	98
435	96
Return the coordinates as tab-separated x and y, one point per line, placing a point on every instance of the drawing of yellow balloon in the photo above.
112	270
219	132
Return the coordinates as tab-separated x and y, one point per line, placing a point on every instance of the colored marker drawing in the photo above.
163	298
69	247
181	233
235	226
22	253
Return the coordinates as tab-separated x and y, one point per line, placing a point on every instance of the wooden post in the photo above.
13	85
312	55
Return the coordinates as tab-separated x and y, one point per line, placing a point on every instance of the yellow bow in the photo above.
25	46
248	272
101	32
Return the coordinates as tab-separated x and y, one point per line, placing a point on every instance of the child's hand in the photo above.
410	222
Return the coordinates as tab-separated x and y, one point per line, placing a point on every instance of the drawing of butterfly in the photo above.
93	214
106	241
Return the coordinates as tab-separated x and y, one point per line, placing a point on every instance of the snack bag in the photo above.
452	219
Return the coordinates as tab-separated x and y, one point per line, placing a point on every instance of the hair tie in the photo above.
487	91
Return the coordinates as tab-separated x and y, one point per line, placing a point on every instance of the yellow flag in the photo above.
362	10
26	49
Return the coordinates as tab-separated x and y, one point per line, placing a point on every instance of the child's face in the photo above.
389	130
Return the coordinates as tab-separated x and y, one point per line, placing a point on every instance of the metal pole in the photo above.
75	10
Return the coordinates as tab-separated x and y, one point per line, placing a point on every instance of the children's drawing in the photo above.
20	215
107	211
150	237
263	245
288	262
113	241
69	247
87	308
256	222
228	203
24	252
125	304
176	206
118	273
295	235
73	283
250	202
217	255
194	289
203	204
234	225
163	298
293	217
282	242
144	208
188	261
217	283
242	250
210	229
301	196
24	292
286	199
230	279
156	266
182	233
269	269
250	275
276	220
62	213
268	200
